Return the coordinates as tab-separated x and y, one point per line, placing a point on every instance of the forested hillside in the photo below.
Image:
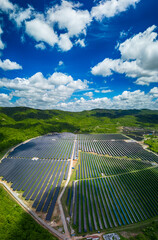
21	123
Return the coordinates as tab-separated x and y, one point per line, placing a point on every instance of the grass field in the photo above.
16	224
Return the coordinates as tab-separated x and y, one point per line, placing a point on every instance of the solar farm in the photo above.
113	182
37	169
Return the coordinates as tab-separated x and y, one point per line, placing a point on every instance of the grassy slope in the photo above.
146	231
19	124
152	141
15	223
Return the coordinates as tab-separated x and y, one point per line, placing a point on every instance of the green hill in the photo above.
16	224
20	123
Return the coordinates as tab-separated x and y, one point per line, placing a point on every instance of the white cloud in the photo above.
5	100
41	46
64	42
89	94
19	15
6	5
105	67
123	34
97	91
137	99
2	45
78	85
147	80
40	92
69	17
139	59
107	91
110	8
61	63
41	31
80	42
154	92
59	78
127	100
62	25
82	104
143	47
8	65
108	66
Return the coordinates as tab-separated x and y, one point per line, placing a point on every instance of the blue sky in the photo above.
79	55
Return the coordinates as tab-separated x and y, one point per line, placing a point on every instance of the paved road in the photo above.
67	233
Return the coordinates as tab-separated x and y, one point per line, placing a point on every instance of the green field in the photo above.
152	141
16	224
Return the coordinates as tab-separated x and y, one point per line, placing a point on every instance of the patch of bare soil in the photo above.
74	163
56	219
128	234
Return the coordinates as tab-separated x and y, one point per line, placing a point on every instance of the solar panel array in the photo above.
116	179
45	147
95	166
116	183
39	180
101	137
117	148
38	167
102	203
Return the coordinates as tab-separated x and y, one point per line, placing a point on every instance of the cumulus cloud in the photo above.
143	47
63	25
127	100
61	63
64	42
89	94
154	92
5	100
139	59
108	66
68	16
41	31
19	15
107	91
82	104
40	92
2	45
41	46
110	8
8	65
80	42
6	5
59	78
65	17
